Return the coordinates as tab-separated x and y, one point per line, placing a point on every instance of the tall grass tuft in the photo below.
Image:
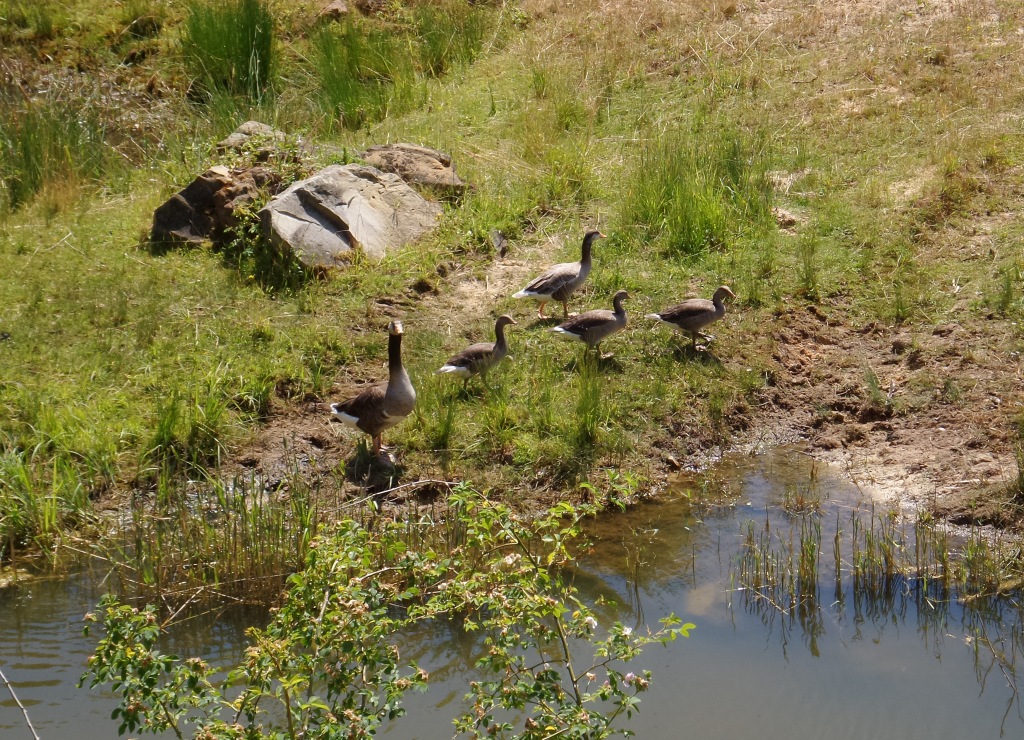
451	34
214	541
48	144
142	19
590	409
692	191
364	75
39	497
229	46
193	432
36	15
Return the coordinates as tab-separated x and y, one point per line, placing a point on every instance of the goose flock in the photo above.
385	404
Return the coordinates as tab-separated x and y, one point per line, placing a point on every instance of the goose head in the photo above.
721	294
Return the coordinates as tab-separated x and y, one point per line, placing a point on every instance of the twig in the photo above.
356	502
20	706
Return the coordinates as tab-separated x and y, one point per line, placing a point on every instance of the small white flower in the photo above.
629	678
626	632
591	622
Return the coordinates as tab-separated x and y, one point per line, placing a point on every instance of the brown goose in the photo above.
694	314
593	327
559	282
478	358
382	405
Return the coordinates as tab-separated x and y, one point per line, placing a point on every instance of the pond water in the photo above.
846	658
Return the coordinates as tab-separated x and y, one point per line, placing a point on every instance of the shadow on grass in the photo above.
539	324
701	354
373	473
591	361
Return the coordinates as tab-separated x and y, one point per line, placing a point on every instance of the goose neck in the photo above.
499	336
395	354
587	247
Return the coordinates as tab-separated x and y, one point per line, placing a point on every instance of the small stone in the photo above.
785	219
334	11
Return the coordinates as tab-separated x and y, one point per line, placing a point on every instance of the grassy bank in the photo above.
891	136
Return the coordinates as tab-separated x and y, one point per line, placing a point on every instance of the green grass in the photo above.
123	365
49	145
694	191
451	34
230	46
364	74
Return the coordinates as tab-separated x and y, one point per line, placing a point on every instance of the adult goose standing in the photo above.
384	404
559	281
694	314
593	327
478	358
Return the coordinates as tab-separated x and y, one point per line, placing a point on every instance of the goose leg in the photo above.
540	310
378	444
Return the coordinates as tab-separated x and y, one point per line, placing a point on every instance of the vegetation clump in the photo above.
327	664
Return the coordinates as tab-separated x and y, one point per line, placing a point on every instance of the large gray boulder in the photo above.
343	208
417	165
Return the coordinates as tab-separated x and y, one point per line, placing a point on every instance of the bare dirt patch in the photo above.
932	431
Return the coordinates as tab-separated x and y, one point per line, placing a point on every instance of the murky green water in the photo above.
892	661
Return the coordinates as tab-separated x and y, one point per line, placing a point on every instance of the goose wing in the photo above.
472	355
556	277
366	411
693	309
587	322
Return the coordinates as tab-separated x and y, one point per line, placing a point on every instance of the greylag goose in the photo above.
382	405
593	327
694	314
559	281
478	358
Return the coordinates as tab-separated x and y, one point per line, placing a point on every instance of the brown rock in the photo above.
785	219
205	209
417	165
